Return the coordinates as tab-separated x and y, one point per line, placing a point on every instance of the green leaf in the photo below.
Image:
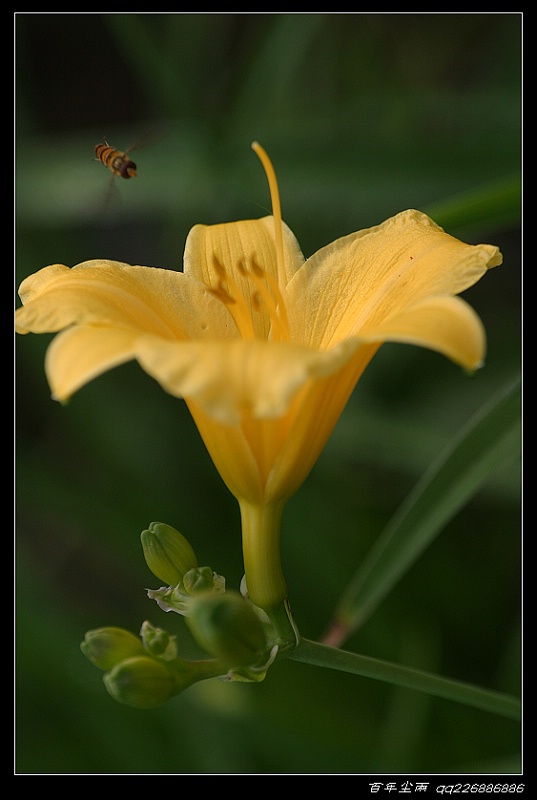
491	438
333	658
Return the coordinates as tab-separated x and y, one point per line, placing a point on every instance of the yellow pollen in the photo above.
263	298
257	271
270	301
229	293
219	267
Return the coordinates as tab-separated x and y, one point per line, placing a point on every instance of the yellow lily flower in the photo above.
264	346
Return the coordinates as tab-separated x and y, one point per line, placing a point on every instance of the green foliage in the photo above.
490	439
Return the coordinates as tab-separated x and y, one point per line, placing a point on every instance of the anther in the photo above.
256	269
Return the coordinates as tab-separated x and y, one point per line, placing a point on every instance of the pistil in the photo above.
276	210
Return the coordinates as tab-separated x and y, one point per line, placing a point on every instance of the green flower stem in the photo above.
286	633
322	655
200	670
261	553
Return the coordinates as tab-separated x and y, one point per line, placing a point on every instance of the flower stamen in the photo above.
265	298
230	295
277	311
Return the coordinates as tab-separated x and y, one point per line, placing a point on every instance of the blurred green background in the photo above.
363	115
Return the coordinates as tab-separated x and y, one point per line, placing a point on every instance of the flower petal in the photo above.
445	324
266	459
147	299
230	379
359	281
81	353
315	410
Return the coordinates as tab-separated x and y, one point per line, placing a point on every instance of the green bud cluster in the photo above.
168	554
145	682
106	647
158	642
144	672
227	627
199	579
171	558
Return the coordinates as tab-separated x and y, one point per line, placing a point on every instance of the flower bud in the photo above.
158	642
167	553
226	626
106	647
202	579
144	682
178	598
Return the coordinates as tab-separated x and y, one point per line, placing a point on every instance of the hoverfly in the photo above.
116	161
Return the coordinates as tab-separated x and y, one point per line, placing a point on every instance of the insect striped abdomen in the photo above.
117	162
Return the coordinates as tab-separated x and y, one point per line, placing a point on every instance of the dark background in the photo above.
363	115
